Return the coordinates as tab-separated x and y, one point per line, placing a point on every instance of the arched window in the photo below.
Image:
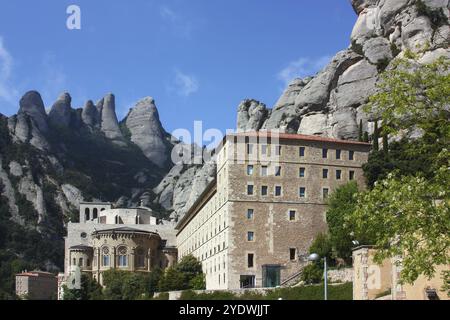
88	262
105	257
95	214
87	214
74	261
102	209
140	258
123	257
137	220
80	262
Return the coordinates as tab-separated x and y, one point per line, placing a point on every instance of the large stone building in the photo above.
267	204
124	239
36	285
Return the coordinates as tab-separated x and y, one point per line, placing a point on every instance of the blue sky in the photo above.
197	58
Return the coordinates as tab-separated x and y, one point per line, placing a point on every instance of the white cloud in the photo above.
184	84
178	24
7	92
302	67
167	13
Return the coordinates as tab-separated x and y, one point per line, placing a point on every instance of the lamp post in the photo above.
316	257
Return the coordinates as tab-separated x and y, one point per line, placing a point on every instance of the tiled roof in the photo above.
124	230
289	136
36	274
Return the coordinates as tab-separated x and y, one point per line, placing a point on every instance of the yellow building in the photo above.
372	281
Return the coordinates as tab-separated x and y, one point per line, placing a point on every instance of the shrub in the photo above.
312	273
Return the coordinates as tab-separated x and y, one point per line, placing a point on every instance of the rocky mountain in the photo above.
331	103
51	162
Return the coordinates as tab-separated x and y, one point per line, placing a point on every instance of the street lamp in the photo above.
316	257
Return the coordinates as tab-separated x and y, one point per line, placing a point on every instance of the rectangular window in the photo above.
250	214
302	172
123	261
324	153
250	189
250	236
292	215
264	190
302	152
338	154
105	261
302	192
338	174
250	260
351	155
263	171
325	173
325	193
264	149
278	191
249	170
278	171
351	175
249	148
293	254
278	150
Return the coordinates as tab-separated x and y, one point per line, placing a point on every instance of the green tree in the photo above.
409	217
341	203
366	136
312	273
198	282
90	290
185	275
407	213
322	246
376	137
360	131
172	280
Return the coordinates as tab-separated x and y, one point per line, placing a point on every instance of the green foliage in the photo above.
407	211
322	246
375	137
161	296
360	131
340	204
408	216
366	136
198	282
90	290
316	292
172	280
312	273
122	285
413	96
187	274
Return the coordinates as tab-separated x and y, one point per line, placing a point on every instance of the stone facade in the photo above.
372	280
125	239
266	206
36	285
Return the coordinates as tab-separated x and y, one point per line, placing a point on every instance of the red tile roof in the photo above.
290	136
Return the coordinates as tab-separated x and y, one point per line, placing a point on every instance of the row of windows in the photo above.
251	257
278	191
80	262
211	267
302	152
292	214
301	172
